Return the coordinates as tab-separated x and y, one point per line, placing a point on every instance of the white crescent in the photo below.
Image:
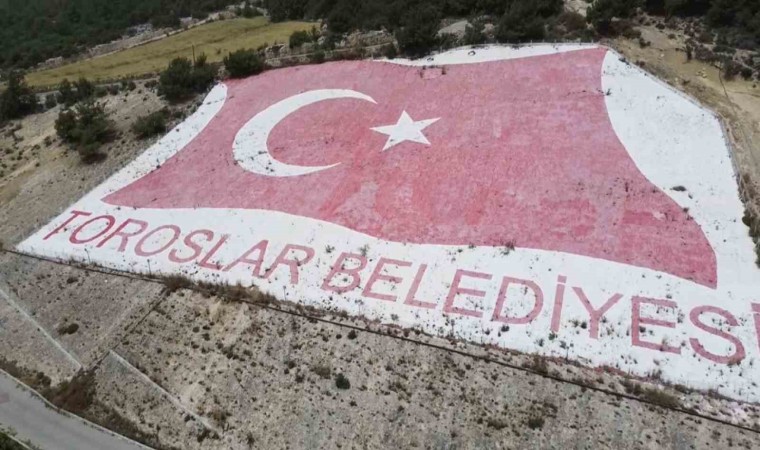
250	147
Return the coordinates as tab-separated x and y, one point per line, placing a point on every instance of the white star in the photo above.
405	129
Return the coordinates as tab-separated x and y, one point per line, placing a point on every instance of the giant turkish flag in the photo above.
516	151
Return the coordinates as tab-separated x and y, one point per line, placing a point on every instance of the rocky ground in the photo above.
188	370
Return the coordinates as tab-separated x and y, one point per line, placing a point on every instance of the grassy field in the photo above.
215	39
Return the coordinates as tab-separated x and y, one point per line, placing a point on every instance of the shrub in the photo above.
243	63
474	33
722	48
85	128
70	328
322	370
730	69
128	85
704	54
174	283
85	89
661	398
182	79
705	37
66	95
200	61
330	40
419	32
50	101
17	100
677	7
317	57
573	21
526	21
736	19
298	38
389	51
65	125
280	10
71	93
535	422
248	11
447	40
570	25
341	382
602	13
340	21
75	395
151	124
203	76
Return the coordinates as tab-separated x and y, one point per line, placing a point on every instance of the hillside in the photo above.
215	39
386	224
35	30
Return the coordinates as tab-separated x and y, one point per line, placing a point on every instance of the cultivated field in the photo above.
215	39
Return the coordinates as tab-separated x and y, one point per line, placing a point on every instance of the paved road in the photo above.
34	421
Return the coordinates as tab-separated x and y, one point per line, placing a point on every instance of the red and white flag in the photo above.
395	192
514	151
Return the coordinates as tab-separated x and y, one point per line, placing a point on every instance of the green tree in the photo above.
526	21
66	95
50	101
248	11
280	10
85	88
342	18
65	125
474	33
181	79
71	93
418	34
243	63
203	74
17	100
85	128
602	12
317	57
738	21
151	125
298	38
681	7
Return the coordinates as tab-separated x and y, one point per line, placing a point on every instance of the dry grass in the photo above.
651	394
227	292
215	39
660	397
174	283
74	395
